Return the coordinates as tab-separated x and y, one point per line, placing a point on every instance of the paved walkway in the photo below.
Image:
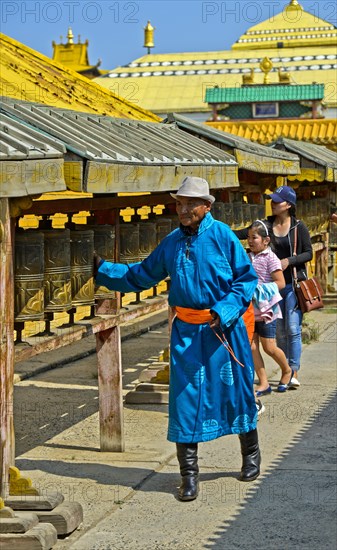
129	499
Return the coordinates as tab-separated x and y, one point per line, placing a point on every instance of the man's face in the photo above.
191	211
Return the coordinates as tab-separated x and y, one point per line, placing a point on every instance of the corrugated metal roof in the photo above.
318	153
18	141
250	156
247	94
320	131
116	140
25	74
226	138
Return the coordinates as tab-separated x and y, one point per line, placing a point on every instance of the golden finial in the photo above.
266	66
70	36
248	79
149	37
294	4
283	76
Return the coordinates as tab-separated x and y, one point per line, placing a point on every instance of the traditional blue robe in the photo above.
210	393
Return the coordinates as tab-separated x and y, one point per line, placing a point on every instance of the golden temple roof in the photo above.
293	27
320	131
28	75
176	82
74	56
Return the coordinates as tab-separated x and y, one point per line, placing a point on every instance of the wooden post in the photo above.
108	344
7	441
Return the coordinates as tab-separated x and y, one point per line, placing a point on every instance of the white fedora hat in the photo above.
194	187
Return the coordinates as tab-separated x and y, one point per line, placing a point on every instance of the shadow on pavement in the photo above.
293	505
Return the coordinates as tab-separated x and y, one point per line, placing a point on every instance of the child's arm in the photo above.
278	278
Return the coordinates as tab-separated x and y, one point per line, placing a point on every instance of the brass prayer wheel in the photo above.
147	238
228	214
81	267
28	276
246	214
104	242
237	215
57	280
218	211
163	228
173	219
129	243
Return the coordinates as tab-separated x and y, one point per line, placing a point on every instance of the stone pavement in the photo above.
129	499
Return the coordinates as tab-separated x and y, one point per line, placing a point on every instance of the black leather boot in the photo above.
251	457
187	454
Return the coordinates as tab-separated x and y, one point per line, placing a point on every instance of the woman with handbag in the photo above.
281	227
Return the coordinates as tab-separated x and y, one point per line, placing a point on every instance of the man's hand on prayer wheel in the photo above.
97	261
215	322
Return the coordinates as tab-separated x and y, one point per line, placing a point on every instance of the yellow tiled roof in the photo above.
319	131
176	82
28	75
293	26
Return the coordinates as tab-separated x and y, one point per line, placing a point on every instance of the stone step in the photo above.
41	537
21	522
155	387
66	517
30	502
147	397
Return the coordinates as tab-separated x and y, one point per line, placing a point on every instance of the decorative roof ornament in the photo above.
248	79
266	66
283	76
149	37
70	36
293	5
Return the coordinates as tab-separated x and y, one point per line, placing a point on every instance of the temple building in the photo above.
257	100
75	56
301	47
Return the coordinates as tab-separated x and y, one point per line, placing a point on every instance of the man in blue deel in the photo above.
211	370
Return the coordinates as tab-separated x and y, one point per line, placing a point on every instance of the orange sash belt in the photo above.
193	316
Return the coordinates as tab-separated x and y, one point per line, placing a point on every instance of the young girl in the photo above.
269	270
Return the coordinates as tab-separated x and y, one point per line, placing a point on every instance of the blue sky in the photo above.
115	28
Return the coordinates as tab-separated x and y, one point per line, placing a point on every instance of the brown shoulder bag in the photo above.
309	292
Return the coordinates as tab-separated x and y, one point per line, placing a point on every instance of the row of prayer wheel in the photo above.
238	214
315	213
54	267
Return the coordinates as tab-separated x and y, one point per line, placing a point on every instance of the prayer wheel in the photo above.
228	214
255	212
246	214
129	243
104	242
218	211
173	219
57	280
163	228
81	267
238	215
147	238
28	276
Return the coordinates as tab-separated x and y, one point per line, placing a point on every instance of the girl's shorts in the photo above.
266	330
